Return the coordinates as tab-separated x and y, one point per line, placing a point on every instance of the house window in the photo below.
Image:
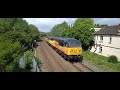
110	40
101	38
100	49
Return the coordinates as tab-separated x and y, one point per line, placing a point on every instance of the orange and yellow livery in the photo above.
69	47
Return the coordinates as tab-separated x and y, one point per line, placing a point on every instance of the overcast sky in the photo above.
45	24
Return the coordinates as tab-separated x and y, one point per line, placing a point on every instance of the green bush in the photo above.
28	56
38	62
112	59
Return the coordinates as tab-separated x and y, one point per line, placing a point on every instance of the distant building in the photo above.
107	41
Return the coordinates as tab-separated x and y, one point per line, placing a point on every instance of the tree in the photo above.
69	32
16	36
43	34
28	56
21	25
48	34
59	30
98	25
6	24
83	32
10	53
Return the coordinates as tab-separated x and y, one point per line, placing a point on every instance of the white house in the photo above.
107	41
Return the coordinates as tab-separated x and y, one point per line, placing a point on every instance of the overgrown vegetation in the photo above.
39	63
26	62
101	61
16	37
28	56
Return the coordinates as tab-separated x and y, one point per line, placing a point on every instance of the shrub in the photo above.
112	59
28	56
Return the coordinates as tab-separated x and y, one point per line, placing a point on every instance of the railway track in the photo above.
66	66
46	58
56	63
55	59
81	67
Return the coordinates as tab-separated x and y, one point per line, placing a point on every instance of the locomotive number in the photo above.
73	51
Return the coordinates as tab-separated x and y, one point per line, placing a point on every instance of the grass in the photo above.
101	61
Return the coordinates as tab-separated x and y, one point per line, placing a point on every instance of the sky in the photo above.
45	24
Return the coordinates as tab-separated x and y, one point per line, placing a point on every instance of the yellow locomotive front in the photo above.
73	49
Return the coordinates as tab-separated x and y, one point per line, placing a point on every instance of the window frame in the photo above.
100	49
101	38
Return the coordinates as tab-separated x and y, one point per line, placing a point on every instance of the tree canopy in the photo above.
82	30
98	25
16	36
60	29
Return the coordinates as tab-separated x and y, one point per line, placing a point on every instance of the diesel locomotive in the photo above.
69	48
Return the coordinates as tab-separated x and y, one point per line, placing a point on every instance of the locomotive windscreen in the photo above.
74	43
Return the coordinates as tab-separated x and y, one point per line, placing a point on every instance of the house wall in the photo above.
108	49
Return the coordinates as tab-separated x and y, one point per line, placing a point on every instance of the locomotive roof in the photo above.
64	39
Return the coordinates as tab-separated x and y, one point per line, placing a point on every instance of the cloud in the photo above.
45	24
109	21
